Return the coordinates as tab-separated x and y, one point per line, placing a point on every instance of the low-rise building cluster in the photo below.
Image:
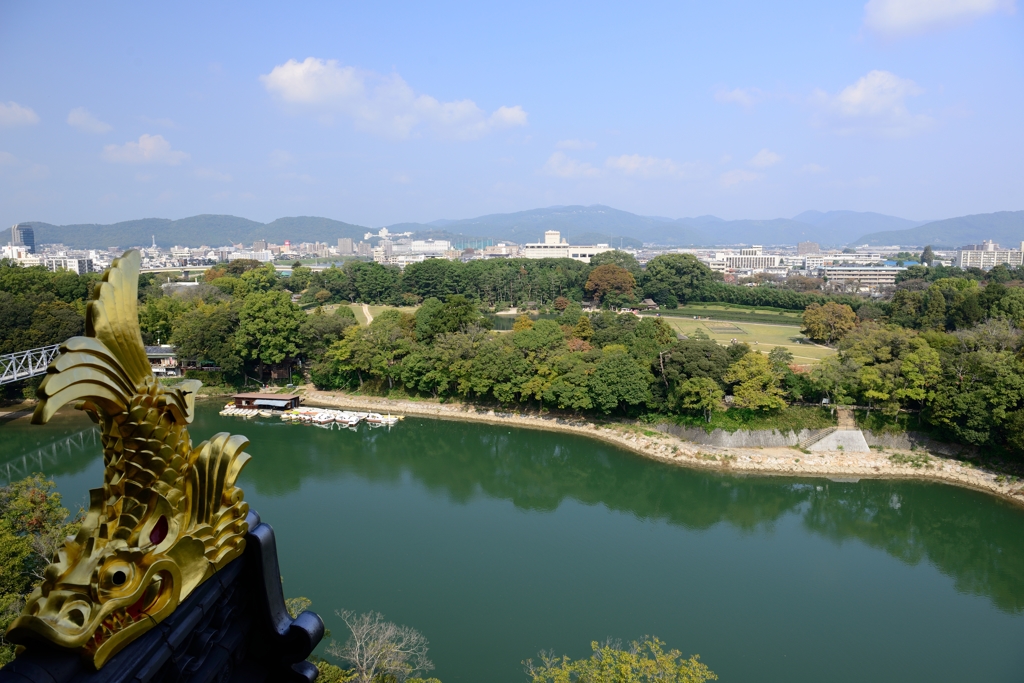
865	270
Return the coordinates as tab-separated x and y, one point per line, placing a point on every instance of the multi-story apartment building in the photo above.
988	255
74	265
870	277
752	258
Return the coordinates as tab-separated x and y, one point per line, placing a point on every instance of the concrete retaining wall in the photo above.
741	438
774	438
908	440
849	440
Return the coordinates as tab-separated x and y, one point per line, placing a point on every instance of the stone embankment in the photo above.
880	461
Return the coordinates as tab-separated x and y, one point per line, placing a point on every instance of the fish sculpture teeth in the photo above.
168	515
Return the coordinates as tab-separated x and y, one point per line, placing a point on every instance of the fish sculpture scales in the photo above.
168	515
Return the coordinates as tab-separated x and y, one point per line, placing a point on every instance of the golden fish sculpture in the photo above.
168	515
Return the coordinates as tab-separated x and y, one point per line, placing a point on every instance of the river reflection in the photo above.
745	570
971	537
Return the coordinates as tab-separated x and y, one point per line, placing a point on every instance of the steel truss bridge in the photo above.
15	367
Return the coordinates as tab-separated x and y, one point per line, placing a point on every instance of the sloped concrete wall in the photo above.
742	438
908	440
846	440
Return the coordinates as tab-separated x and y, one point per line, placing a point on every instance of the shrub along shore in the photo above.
656	445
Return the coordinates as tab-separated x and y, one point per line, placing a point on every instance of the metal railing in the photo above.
15	367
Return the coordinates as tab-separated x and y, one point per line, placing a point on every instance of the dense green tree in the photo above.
934	314
320	329
894	367
433	277
261	279
269	327
610	284
756	383
206	334
241	266
640	662
676	278
157	316
828	323
980	392
619	381
33	526
457	314
299	279
696	358
699	394
615	257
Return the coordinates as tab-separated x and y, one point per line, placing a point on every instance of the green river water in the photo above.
497	542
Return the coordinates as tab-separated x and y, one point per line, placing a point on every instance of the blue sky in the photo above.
375	113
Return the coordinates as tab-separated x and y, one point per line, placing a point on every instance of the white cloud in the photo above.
80	118
212	174
894	17
875	103
7	159
562	166
384	105
13	114
150	149
813	168
735	177
745	97
650	167
764	159
575	144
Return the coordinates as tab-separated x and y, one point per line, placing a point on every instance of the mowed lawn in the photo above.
761	337
376	310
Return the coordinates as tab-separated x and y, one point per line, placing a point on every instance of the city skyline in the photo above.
377	117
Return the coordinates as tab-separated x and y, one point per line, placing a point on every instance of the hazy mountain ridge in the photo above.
578	224
834	228
205	229
1003	227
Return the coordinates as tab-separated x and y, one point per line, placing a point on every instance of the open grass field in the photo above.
376	310
736	313
761	337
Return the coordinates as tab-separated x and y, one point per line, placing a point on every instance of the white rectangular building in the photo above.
554	246
752	258
74	265
867	276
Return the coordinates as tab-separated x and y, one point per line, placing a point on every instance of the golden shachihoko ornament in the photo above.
168	515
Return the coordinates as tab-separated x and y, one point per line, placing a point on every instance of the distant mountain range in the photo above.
1004	227
578	224
211	230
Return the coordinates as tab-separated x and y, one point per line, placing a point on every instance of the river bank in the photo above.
650	443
